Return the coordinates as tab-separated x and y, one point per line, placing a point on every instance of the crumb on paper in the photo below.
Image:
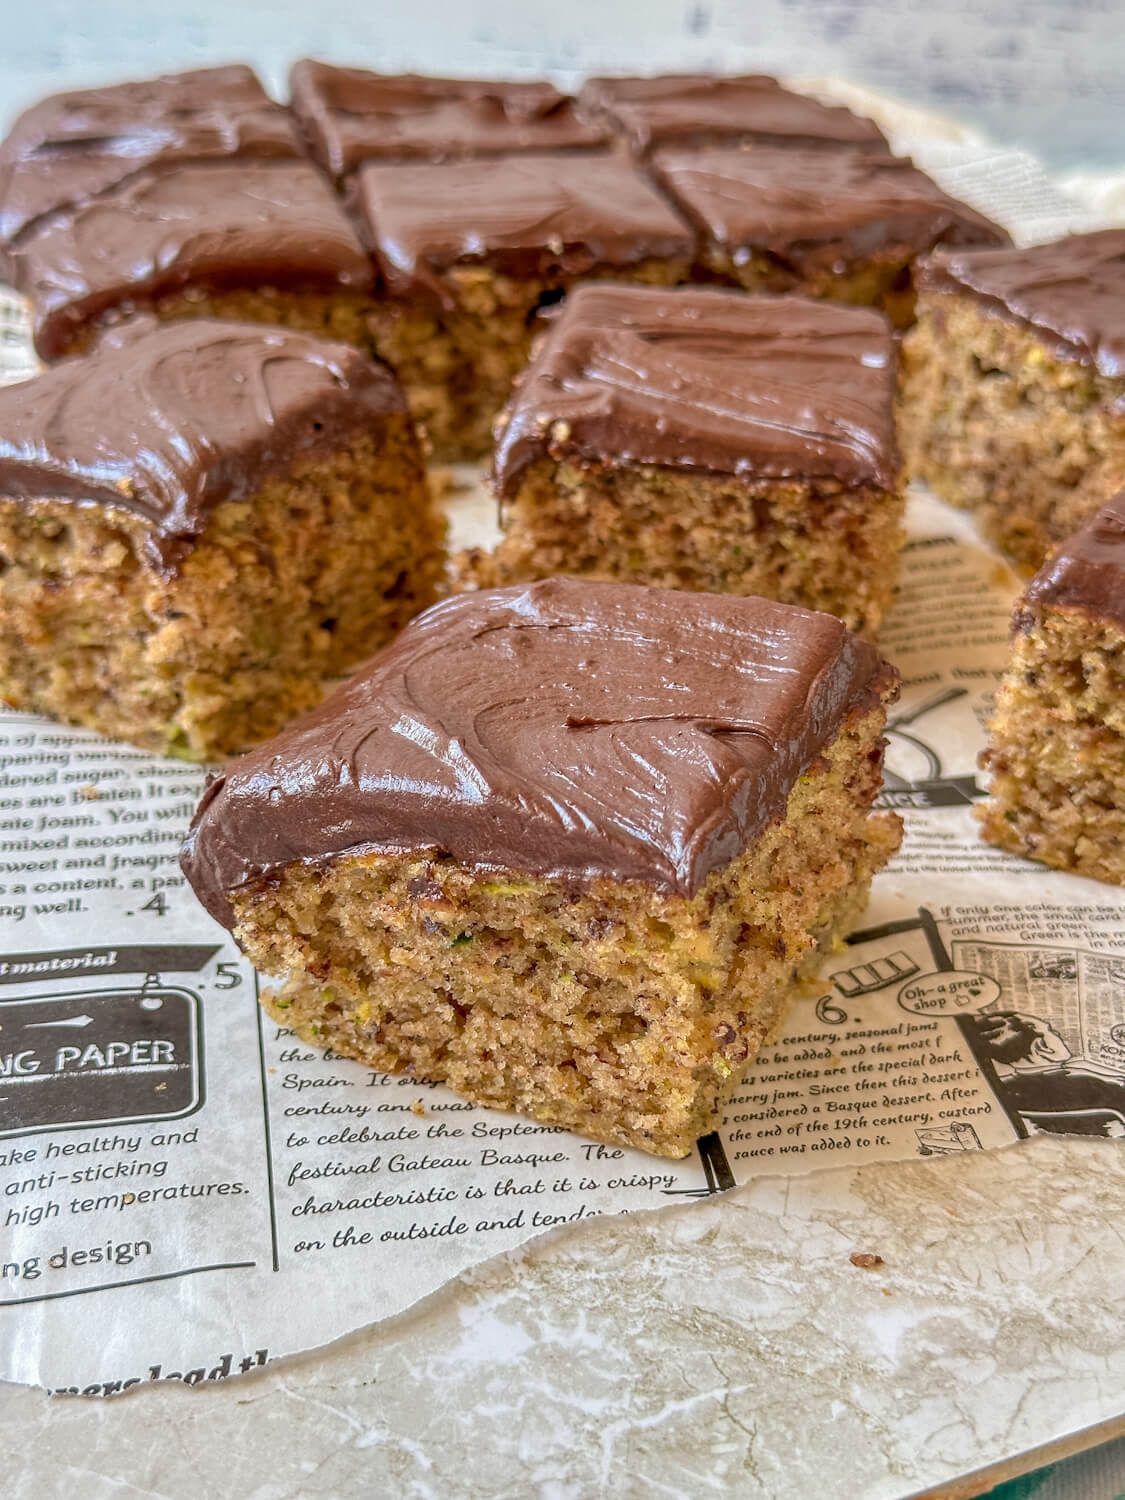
418	1108
866	1261
89	792
1004	577
887	1292
442	481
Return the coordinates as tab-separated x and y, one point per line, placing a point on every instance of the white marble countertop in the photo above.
727	1348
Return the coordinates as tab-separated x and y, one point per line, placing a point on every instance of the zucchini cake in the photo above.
469	251
705	109
847	225
350	115
566	848
701	439
199	522
1014	386
253	240
72	147
1057	747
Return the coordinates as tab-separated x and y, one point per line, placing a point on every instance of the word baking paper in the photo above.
187	1190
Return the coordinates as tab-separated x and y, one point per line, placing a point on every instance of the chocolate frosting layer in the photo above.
168	420
1071	291
71	147
816	210
695	378
565	729
350	116
528	215
699	108
1087	572
216	225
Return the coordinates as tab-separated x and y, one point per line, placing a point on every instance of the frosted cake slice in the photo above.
567	848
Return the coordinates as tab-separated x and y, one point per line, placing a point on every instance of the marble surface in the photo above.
729	1348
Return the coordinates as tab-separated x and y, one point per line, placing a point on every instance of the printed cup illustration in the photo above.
944	1140
950	992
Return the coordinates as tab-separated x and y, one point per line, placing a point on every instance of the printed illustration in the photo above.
913	775
717	1173
101	1056
865	979
1039	1080
1039	1022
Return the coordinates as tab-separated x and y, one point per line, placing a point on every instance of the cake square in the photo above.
1014	386
1057	744
566	848
70	147
349	116
701	109
698	438
199	523
847	225
246	239
470	250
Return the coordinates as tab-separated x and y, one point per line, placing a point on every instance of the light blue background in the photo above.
1048	74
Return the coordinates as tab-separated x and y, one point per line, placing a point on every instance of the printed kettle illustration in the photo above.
908	754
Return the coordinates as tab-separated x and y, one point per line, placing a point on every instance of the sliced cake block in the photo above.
706	109
1057	744
847	225
71	147
566	848
265	241
1014	386
470	250
703	439
198	524
349	116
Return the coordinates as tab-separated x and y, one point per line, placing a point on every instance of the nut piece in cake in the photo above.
847	225
1014	386
1057	745
566	848
703	439
705	109
71	147
199	523
349	116
469	251
259	241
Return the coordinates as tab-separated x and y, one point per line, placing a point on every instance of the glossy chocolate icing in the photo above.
216	225
1087	572
168	420
1071	291
350	116
709	380
529	215
71	147
701	108
816	211
565	729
